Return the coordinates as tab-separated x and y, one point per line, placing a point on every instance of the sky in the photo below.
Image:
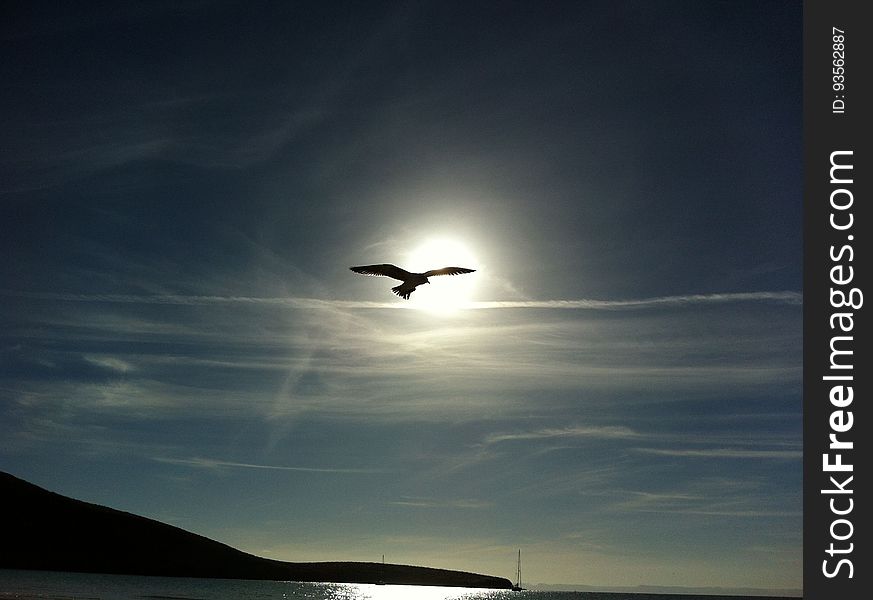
616	390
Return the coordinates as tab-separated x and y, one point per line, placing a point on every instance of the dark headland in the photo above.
46	531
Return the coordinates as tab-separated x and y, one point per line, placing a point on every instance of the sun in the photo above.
445	294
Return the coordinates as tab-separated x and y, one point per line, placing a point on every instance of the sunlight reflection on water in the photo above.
47	585
334	591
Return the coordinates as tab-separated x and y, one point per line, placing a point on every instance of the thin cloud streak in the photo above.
779	297
754	514
726	497
430	503
725	453
609	432
208	463
786	297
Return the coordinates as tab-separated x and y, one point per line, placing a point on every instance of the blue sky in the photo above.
616	390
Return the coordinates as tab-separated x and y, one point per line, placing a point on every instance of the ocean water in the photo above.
49	585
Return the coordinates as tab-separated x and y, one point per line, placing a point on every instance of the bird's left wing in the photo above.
385	270
448	271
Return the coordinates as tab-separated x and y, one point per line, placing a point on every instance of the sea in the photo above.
51	585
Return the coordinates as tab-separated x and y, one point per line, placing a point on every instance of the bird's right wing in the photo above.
448	271
383	270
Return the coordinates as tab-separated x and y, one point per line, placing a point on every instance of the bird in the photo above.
410	280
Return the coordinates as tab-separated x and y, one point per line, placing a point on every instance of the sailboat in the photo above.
382	572
517	587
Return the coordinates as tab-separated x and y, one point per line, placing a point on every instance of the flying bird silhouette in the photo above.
410	280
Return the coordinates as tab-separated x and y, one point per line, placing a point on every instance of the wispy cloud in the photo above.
750	513
609	432
785	297
724	453
283	357
464	503
209	463
743	497
111	363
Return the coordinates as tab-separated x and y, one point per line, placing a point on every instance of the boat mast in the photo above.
518	571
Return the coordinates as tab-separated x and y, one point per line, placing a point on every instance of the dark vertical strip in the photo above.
837	62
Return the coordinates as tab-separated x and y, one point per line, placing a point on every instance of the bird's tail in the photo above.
403	291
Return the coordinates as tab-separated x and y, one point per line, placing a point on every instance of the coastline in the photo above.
49	532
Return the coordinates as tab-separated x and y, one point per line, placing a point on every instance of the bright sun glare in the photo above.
446	293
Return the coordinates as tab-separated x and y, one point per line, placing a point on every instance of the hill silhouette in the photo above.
46	531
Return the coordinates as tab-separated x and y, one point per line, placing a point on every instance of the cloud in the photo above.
608	432
725	453
743	498
209	463
785	297
434	503
280	358
111	363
